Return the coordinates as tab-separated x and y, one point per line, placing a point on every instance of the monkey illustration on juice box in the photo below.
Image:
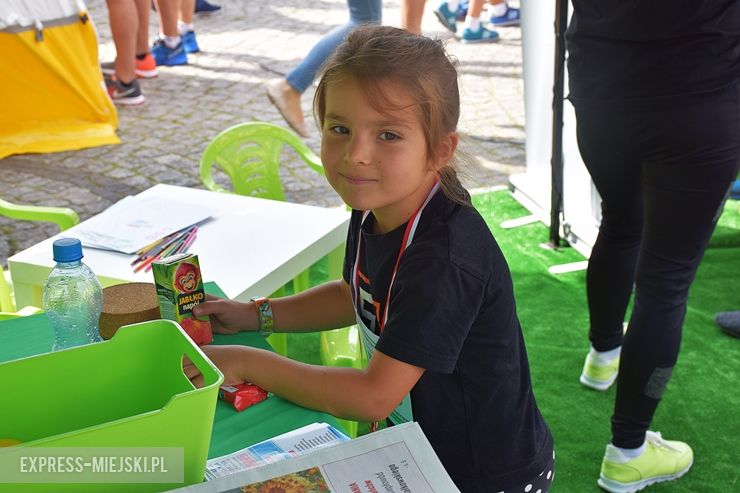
179	289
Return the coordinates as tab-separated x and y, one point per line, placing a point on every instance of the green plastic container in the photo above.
129	391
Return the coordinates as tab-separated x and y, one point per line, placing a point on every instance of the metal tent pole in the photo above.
556	162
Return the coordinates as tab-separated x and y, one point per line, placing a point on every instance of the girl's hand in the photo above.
227	317
227	358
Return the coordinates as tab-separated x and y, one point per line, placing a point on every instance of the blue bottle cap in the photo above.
67	250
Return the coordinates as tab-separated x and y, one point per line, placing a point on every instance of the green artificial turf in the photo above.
702	403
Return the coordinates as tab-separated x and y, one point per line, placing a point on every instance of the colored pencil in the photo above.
153	247
177	242
188	241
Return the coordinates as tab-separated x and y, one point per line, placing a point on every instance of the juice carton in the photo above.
179	289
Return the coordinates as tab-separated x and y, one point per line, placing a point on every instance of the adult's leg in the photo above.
285	93
688	166
361	12
609	145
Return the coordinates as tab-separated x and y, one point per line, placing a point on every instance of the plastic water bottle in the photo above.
72	297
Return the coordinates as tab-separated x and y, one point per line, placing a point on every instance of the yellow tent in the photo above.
52	95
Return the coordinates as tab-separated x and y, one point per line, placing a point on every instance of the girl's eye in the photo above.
339	129
388	136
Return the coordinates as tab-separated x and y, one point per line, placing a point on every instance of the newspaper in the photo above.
282	447
398	459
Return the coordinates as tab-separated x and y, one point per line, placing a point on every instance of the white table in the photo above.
249	247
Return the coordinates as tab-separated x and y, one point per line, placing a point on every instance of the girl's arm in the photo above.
363	395
327	306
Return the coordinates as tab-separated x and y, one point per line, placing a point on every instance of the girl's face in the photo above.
376	161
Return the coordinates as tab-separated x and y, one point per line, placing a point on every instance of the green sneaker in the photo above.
662	460
599	376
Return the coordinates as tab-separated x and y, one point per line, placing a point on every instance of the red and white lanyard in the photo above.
408	237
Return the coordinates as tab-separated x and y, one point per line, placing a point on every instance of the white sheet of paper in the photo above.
389	468
134	222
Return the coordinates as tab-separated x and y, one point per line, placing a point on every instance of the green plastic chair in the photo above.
249	154
61	216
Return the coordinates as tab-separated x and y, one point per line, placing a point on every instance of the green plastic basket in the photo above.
129	391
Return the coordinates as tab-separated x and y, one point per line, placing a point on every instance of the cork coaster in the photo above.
126	304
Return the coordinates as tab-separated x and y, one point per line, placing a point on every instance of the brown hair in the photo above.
374	54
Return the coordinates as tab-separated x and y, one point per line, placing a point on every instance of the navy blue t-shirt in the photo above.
452	312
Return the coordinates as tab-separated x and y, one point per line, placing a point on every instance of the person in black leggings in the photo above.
657	100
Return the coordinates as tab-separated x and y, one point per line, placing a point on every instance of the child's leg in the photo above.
143	7
168	11
186	27
146	67
474	32
187	8
411	13
501	15
474	9
120	76
169	50
123	25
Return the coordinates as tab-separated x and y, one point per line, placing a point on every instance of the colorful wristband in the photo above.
264	313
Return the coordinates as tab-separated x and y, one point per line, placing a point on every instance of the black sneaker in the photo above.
123	94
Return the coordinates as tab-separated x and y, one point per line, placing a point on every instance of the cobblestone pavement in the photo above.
244	45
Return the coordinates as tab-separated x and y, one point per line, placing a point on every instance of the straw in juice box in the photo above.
179	289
